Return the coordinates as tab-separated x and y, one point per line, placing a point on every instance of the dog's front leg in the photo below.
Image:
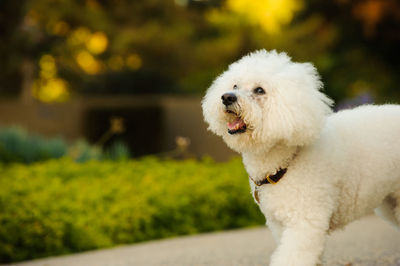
300	245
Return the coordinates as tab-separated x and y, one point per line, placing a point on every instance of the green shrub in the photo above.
59	206
16	145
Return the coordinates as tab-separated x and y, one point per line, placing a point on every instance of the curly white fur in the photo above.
341	166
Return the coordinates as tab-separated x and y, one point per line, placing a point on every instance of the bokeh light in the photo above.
88	63
79	36
133	61
269	14
97	43
48	68
51	90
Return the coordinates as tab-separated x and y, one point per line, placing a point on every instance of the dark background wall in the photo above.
152	123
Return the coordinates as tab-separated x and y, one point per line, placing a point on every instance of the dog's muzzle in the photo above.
235	124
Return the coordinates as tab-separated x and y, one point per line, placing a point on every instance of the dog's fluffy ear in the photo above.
211	105
296	113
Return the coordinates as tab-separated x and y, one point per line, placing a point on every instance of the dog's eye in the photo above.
235	87
259	90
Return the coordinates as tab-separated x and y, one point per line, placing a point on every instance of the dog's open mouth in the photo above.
236	124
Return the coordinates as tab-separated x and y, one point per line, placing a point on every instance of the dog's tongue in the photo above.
238	123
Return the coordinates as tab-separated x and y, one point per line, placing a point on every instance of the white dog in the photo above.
311	171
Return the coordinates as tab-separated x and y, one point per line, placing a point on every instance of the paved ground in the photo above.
367	242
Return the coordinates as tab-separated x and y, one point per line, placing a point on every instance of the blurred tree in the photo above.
11	45
156	46
363	57
353	43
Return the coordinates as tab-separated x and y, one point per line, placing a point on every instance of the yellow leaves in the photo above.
88	45
133	61
270	15
48	87
88	63
85	44
51	90
79	36
85	47
48	67
97	43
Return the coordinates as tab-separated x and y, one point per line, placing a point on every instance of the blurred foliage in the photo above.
118	151
17	145
81	151
60	206
121	46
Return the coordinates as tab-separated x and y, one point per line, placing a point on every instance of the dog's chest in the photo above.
271	202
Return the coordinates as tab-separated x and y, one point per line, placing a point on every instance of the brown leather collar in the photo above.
270	179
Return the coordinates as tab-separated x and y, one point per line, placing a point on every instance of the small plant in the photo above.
117	151
81	152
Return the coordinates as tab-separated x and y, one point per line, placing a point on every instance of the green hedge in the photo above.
60	206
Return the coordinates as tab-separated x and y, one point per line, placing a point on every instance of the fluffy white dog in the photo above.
311	171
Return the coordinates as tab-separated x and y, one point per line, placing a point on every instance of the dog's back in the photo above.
370	132
366	142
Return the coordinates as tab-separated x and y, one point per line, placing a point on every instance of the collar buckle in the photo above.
270	179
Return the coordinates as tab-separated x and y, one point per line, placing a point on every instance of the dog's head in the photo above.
265	99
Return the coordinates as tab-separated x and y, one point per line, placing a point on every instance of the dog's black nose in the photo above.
228	98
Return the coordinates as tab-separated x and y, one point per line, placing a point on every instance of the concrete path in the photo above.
367	242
